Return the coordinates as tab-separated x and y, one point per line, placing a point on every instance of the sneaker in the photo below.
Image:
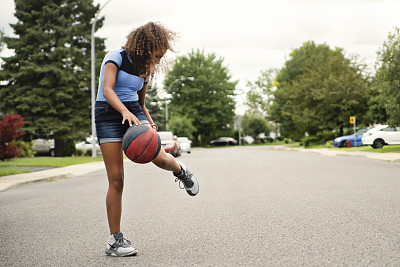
118	246
189	181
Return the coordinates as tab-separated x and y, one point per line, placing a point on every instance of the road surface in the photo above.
257	207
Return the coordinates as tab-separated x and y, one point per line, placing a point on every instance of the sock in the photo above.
179	174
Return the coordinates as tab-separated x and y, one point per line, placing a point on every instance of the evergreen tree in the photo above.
207	99
153	105
47	80
1	40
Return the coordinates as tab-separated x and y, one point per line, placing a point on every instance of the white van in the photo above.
43	146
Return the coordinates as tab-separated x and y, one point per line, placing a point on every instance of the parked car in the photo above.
184	144
86	145
224	141
170	143
43	147
342	141
382	135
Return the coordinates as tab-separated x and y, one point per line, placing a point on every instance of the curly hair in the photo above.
143	42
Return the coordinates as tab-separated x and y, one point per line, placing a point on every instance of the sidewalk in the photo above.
9	181
330	152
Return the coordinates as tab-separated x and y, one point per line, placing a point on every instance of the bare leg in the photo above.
167	162
113	159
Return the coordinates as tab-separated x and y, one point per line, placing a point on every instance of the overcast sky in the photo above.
251	35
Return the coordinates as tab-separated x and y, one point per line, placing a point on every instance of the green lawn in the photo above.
385	149
5	172
48	161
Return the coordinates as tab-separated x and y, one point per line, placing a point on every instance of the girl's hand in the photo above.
128	116
154	126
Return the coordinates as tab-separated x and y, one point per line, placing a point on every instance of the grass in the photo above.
49	161
5	172
385	149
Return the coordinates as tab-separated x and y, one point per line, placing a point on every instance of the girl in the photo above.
120	104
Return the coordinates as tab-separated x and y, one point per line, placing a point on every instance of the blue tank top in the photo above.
127	82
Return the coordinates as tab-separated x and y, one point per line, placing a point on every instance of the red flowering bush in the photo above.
9	132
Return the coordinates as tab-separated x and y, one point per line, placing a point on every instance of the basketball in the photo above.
141	143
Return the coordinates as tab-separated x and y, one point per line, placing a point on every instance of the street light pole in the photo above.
94	152
166	114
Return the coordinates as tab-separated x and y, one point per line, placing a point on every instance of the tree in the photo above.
153	105
208	100
182	126
254	125
1	40
10	125
318	90
385	89
47	80
260	94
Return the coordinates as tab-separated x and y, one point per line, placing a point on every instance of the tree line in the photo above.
47	79
47	82
319	88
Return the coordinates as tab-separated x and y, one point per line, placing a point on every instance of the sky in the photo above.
252	35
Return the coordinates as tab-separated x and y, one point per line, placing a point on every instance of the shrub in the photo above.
329	143
69	148
79	152
325	136
25	148
9	131
310	140
88	153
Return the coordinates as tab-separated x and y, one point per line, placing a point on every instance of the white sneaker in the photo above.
189	181
118	246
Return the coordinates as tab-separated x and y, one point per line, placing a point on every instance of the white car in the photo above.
184	144
86	145
170	143
381	135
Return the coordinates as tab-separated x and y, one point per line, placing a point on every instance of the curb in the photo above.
393	157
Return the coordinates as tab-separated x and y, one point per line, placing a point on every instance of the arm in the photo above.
109	76
142	97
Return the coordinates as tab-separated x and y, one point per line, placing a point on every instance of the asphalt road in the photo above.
256	207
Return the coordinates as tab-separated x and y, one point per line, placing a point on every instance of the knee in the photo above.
162	160
116	181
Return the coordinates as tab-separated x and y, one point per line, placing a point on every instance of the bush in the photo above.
69	148
79	152
9	132
320	138
310	140
88	153
329	143
325	136
25	148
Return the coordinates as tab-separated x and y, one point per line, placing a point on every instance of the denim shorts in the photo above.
109	127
